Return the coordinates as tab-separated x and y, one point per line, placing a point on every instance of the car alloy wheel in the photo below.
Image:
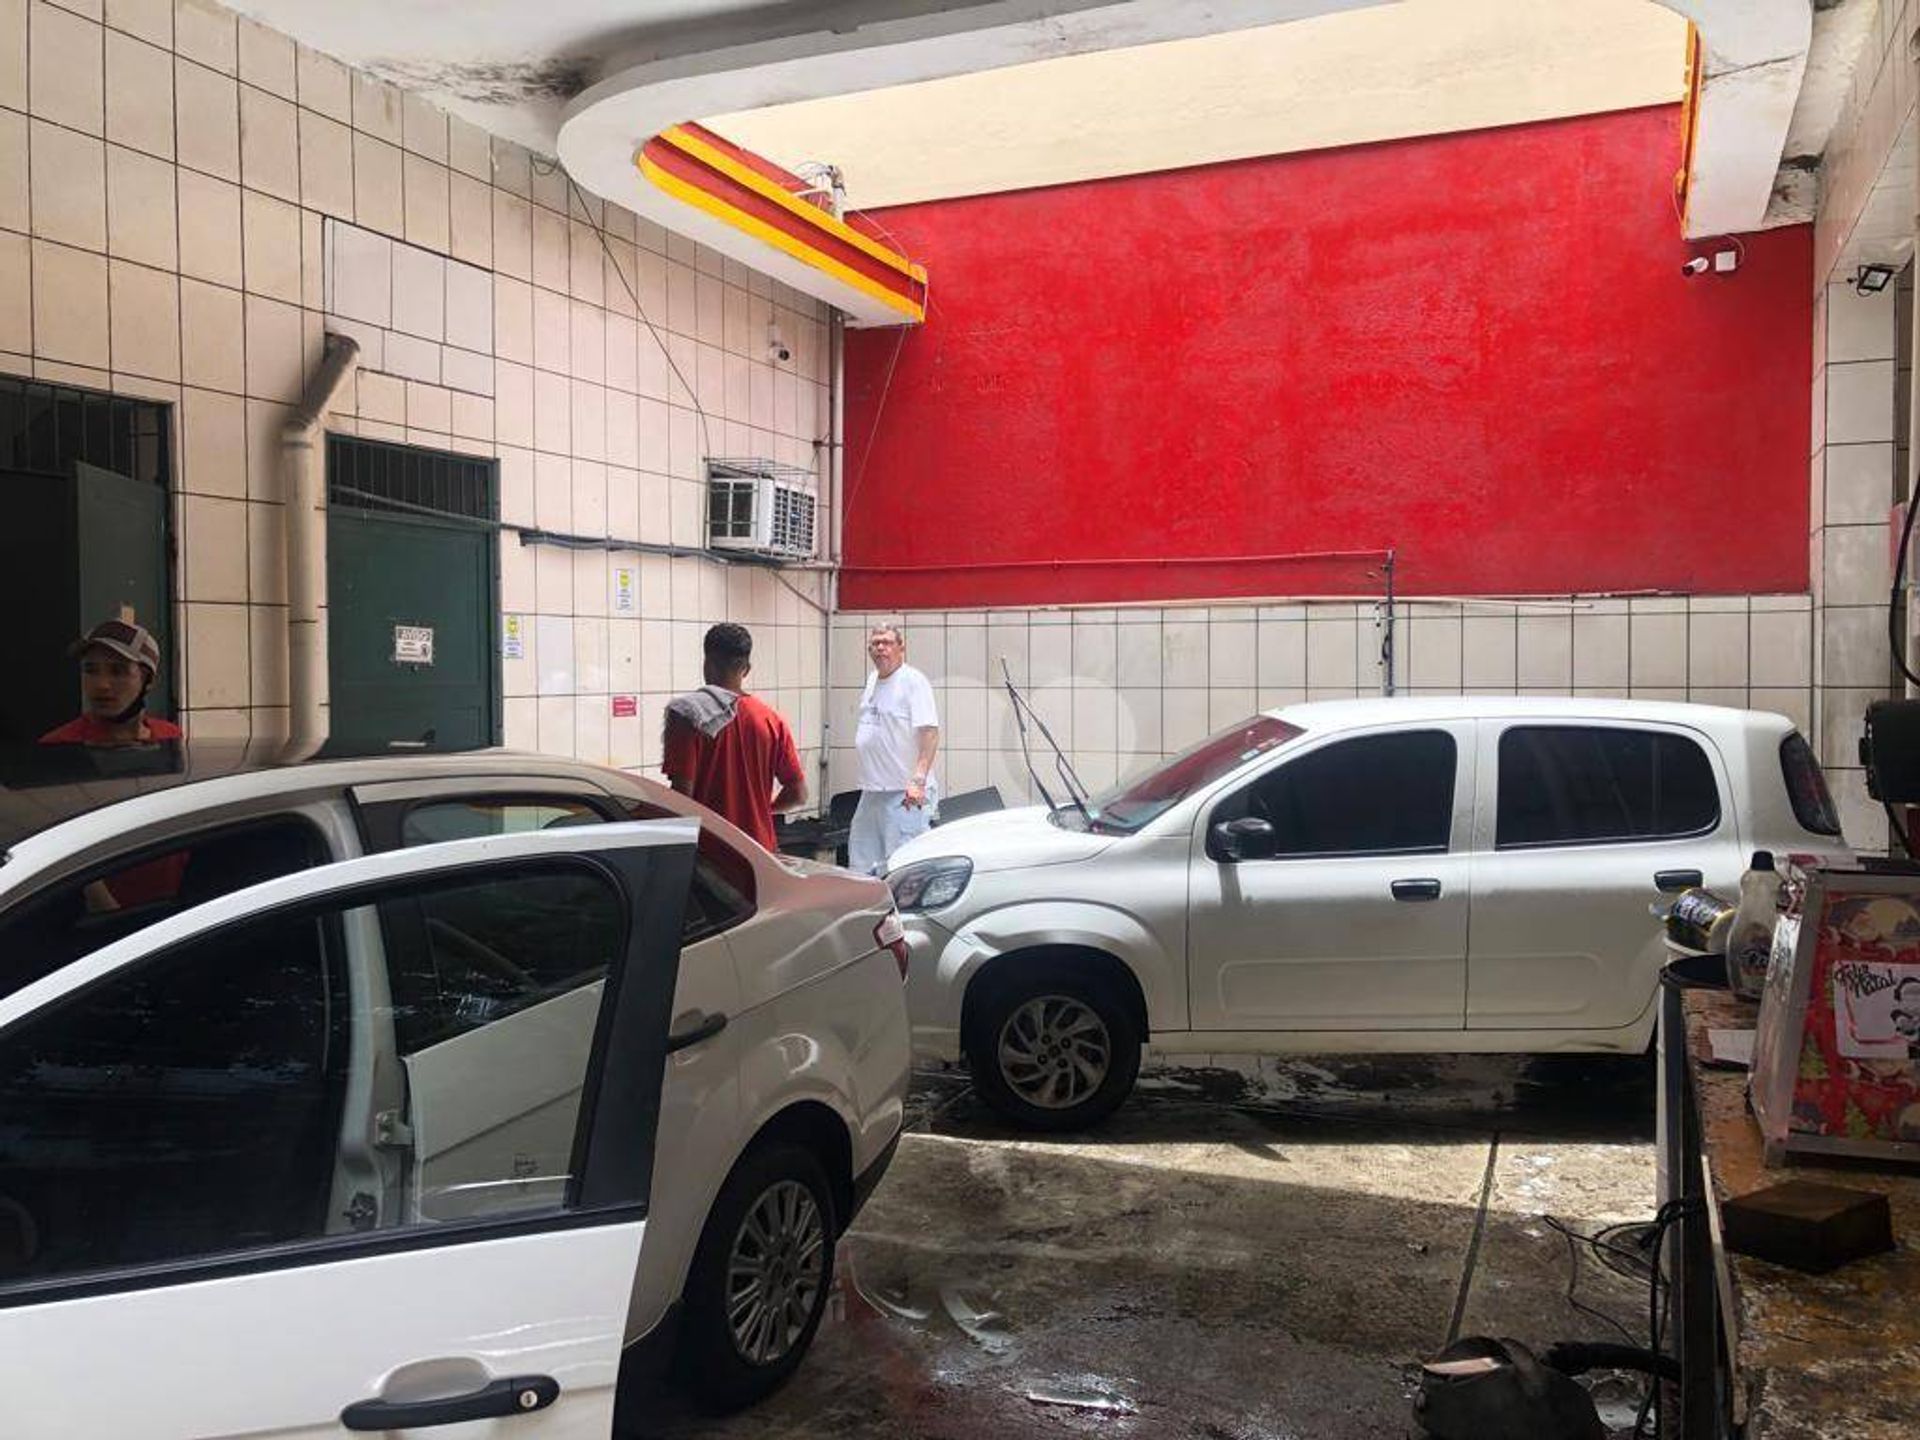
774	1272
1054	1052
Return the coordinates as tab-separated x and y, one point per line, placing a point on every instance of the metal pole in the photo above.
1386	643
1907	481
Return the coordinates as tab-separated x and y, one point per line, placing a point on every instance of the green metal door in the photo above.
410	626
84	478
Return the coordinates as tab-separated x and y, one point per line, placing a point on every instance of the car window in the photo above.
463	958
111	900
468	819
1574	784
195	1104
185	1107
1143	797
1374	794
723	889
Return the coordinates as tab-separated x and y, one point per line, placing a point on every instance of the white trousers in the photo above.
881	825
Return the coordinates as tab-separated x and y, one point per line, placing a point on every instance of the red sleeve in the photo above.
679	750
786	755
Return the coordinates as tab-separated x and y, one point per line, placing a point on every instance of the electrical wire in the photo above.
706	433
873	432
1574	1240
1674	1210
1657	1286
693	396
800	594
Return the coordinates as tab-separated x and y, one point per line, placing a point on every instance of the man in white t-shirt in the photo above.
898	736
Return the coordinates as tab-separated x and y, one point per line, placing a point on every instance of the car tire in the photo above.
774	1216
1054	1052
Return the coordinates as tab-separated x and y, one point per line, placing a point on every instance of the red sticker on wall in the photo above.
625	706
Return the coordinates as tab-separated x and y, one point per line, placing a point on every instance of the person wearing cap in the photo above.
118	663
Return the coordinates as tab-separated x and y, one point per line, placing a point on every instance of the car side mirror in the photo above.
1248	838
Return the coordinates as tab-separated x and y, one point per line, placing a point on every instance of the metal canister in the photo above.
1700	920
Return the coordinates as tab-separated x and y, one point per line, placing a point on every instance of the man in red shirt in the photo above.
726	749
118	663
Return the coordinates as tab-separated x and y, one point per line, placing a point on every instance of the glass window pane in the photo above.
1374	794
110	901
188	1107
1569	784
220	1096
442	820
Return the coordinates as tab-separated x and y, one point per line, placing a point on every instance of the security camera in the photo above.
1698	265
780	350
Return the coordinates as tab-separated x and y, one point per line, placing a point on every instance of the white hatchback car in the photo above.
395	1093
1408	875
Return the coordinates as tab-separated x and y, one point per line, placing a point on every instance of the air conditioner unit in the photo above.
761	507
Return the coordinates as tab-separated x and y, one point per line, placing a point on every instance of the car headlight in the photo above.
930	884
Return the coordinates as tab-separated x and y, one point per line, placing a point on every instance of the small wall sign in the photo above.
625	707
513	637
626	595
413	645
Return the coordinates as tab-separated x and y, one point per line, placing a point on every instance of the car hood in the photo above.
1003	840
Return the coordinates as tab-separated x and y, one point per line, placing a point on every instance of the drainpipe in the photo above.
303	484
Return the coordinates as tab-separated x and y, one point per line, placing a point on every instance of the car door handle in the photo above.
520	1395
1671	882
699	1027
1416	889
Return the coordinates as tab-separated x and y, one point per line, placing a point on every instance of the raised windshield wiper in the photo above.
1076	792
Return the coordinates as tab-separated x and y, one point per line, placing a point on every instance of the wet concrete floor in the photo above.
1250	1248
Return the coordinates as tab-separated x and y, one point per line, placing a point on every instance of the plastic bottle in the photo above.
1750	941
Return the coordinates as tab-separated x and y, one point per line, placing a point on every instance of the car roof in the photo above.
43	786
1398	709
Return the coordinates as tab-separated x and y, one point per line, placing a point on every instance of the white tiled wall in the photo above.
1866	140
1859	431
189	200
1121	688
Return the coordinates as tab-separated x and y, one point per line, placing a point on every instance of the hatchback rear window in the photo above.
1584	785
1807	787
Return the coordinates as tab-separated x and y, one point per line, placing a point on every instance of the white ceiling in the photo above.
512	65
1417	67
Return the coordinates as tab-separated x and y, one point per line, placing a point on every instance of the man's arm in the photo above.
676	738
929	738
787	770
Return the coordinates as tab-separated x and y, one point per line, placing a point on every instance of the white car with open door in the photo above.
384	1094
1408	875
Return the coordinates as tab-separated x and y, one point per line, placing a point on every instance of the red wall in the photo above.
1478	349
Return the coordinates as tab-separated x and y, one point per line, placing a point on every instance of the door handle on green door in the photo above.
1416	889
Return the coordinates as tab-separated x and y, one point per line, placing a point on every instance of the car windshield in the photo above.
1141	797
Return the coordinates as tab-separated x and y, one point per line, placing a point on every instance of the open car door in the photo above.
364	1148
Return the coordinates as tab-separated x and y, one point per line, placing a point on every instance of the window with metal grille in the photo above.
373	475
45	429
730	509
